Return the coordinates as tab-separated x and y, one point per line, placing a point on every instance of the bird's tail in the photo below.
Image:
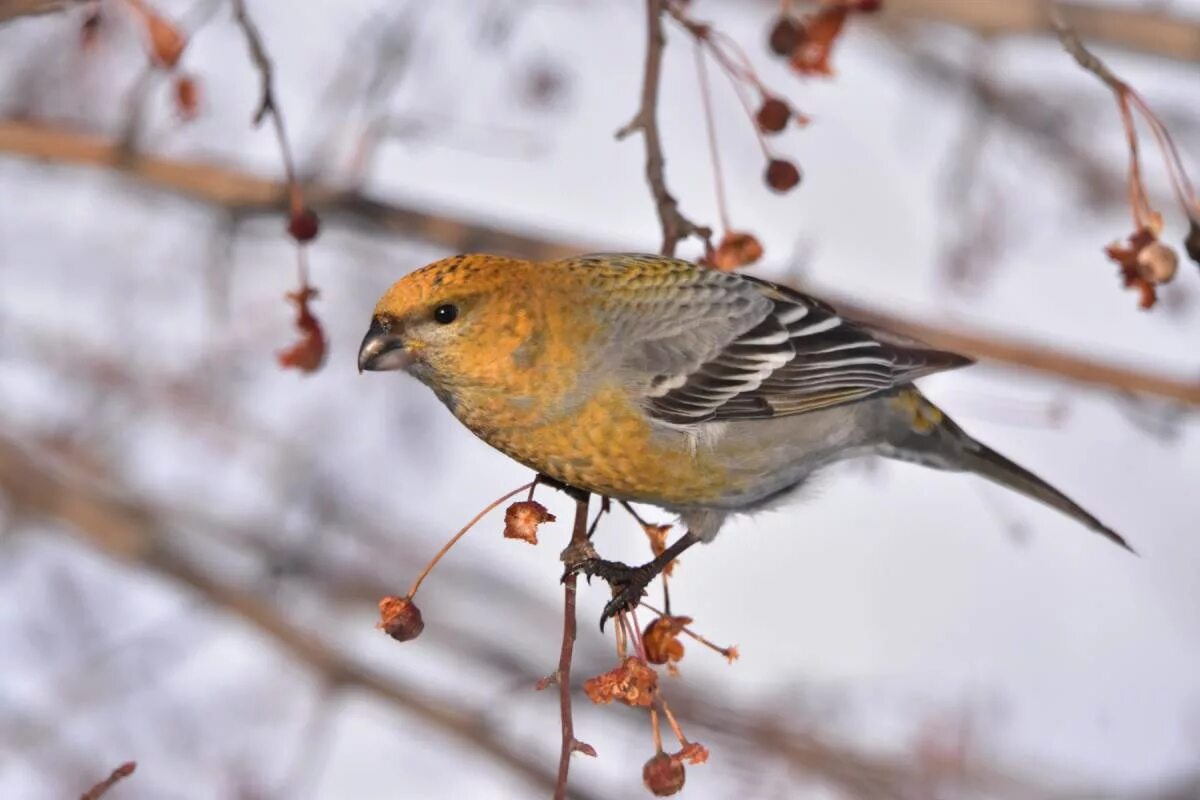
919	431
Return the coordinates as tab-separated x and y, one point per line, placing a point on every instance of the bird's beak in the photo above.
382	350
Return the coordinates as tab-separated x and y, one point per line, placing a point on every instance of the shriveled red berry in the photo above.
400	618
304	225
90	29
521	520
187	97
663	775
786	33
773	115
737	249
782	175
1157	263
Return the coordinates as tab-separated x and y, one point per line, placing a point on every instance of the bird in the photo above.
652	379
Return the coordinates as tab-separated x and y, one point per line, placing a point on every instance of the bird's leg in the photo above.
571	491
629	583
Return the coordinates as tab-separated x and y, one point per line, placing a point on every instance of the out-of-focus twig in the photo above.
1143	30
12	9
266	101
242	193
268	106
119	774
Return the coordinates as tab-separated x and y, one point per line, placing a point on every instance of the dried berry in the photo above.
658	544
187	97
400	618
1129	257
663	775
1157	263
693	753
785	35
304	224
521	520
632	682
166	42
89	31
661	640
307	354
782	175
773	115
821	29
737	249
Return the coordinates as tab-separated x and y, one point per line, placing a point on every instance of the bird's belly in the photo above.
609	446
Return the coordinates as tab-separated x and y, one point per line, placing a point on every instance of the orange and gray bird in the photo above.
654	380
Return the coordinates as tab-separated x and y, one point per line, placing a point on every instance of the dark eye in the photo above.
445	313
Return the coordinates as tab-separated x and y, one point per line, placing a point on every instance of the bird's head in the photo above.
462	321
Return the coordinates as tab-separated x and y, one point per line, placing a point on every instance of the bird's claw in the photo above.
628	583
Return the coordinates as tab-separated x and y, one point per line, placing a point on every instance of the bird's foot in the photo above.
628	583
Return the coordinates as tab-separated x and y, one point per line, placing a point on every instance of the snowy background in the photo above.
894	609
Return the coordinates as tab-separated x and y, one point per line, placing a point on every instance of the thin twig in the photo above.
119	774
579	545
1084	57
714	152
267	105
675	226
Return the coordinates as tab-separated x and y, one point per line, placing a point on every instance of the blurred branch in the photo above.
117	775
12	9
244	194
132	533
239	192
1157	33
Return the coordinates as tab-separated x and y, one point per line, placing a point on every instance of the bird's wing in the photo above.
712	346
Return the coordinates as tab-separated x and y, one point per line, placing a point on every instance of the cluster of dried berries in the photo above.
807	41
165	44
633	682
307	354
768	112
1146	263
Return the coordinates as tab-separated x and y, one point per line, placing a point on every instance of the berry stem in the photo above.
713	151
453	539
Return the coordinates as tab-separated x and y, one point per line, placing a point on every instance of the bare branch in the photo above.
12	9
119	774
675	226
573	552
1084	57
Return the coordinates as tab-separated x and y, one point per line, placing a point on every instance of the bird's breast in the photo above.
607	445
